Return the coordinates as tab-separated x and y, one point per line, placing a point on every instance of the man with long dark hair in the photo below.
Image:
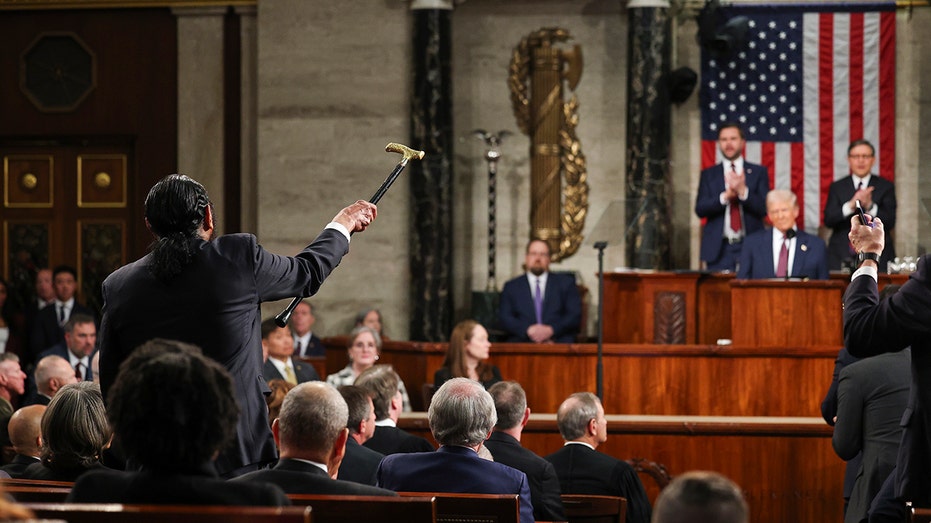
205	291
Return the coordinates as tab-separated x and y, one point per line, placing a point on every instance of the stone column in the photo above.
431	247
248	146
648	130
200	98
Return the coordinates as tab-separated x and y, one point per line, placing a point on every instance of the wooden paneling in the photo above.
767	313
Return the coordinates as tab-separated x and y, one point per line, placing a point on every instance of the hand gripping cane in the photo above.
406	155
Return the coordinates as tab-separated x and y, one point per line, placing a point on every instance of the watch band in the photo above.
863	256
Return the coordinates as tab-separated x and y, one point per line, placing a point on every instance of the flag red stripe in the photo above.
887	95
856	76
826	92
768	159
708	149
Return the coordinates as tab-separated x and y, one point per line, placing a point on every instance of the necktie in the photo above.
538	303
289	375
300	348
79	371
735	206
61	314
782	268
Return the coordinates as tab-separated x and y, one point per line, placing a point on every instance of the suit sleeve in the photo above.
278	277
110	352
638	505
526	505
821	259
873	327
708	201
829	403
833	213
848	431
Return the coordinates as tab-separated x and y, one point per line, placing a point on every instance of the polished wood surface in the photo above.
706	380
776	313
785	465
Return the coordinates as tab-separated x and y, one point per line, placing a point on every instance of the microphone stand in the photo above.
599	366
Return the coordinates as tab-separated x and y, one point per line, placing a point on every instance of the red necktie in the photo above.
735	207
782	268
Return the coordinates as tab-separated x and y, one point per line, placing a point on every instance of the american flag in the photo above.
810	80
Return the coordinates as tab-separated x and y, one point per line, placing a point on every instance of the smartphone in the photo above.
860	212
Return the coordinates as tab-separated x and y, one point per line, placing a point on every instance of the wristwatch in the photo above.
863	256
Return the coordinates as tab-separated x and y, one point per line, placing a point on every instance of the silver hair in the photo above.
312	416
461	413
359	330
574	414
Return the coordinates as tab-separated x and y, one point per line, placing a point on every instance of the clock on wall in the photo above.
57	72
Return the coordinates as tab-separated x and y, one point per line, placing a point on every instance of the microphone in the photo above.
789	235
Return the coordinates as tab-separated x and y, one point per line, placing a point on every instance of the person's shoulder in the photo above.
760	236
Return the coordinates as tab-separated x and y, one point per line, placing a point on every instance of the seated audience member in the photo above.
79	345
461	415
279	345
52	373
172	410
306	343
872	395
371	317
504	444
784	251
540	306
382	383
279	388
359	463
311	433
466	356
364	350
47	329
44	296
701	497
26	436
583	470
12	386
74	434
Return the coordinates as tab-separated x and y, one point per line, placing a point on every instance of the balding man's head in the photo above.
53	373
312	422
25	429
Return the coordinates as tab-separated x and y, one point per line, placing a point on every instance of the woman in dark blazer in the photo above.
466	356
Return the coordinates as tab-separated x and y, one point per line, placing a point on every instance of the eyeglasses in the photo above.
860	156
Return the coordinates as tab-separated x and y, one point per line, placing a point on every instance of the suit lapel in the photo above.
801	250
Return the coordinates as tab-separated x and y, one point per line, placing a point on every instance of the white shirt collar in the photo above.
281	365
387	422
320	466
578	443
856	180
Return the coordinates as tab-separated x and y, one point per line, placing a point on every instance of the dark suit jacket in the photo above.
829	410
214	304
756	257
392	440
442	375
46	332
359	464
871	397
840	193
304	372
454	469
62	350
708	206
39	470
904	319
562	308
582	470
18	464
315	347
298	477
198	487
544	485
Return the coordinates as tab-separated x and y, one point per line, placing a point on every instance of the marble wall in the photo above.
333	87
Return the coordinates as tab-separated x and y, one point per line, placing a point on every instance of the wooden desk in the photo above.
776	313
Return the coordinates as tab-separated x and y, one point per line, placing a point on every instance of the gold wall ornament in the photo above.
557	212
102	180
29	181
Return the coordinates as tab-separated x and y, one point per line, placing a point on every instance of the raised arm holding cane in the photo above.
406	155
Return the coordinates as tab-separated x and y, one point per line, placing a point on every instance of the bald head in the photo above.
53	373
25	429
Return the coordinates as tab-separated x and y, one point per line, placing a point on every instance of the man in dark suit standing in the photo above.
359	463
731	200
874	327
48	328
877	198
207	291
504	444
783	251
582	469
462	415
383	384
278	344
311	432
306	343
540	306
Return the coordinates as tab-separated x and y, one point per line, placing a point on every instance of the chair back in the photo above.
37	494
473	508
383	509
119	513
581	508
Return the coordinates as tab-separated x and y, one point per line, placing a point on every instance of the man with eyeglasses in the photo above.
877	197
